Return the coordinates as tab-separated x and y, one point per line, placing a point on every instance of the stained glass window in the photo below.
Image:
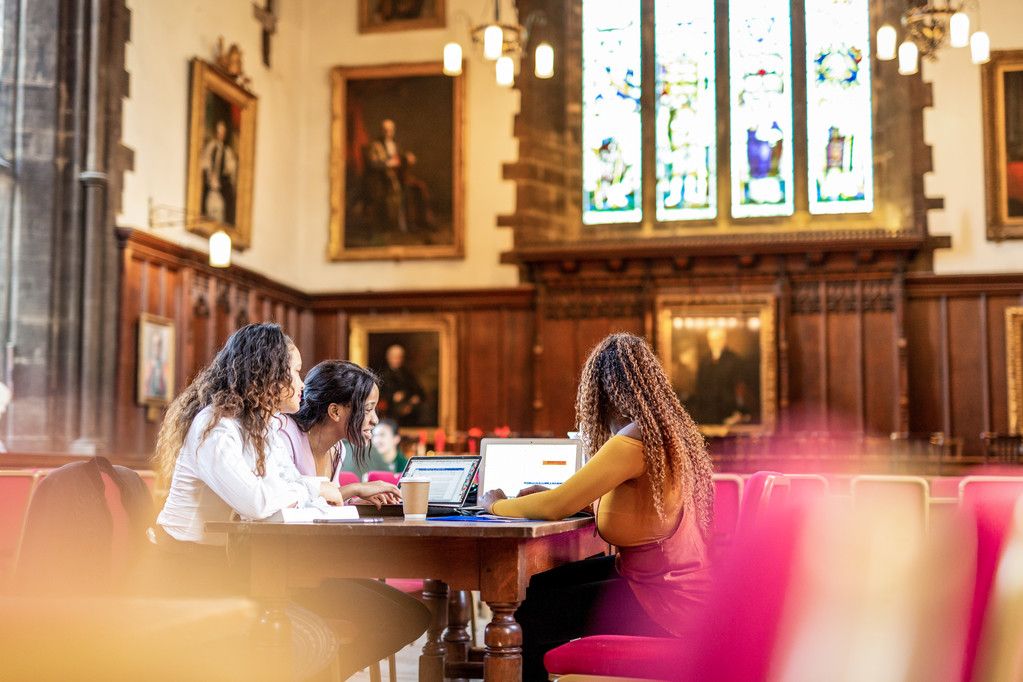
686	110
760	83
612	129
838	112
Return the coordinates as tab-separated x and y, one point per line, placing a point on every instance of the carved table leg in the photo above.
431	661
502	661
456	637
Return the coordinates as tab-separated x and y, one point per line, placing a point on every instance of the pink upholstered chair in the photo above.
347	478
383	476
727	501
764	490
16	487
907	493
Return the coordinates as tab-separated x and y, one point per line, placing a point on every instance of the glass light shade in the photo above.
980	48
452	59
909	56
220	249
543	61
959	30
886	38
505	71
493	42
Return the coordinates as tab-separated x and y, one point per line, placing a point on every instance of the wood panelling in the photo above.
521	349
206	305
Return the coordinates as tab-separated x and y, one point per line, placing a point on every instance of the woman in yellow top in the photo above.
650	482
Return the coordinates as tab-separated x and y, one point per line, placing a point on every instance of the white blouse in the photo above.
217	477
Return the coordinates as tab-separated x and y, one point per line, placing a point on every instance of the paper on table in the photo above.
307	514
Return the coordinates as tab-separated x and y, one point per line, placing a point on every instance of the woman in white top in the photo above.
338	402
221	448
217	445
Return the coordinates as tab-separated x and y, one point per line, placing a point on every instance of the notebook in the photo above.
450	478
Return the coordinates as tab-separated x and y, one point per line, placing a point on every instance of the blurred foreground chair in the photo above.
907	493
16	488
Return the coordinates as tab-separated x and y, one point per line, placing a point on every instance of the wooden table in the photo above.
497	559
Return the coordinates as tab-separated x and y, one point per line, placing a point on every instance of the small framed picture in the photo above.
414	356
400	15
719	352
156	367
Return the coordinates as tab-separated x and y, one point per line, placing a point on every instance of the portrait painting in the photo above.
221	144
719	352
400	15
1002	84
414	356
1014	366
156	350
396	163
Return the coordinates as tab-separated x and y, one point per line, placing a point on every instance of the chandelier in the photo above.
501	43
928	24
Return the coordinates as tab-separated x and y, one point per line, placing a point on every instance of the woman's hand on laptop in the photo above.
377	492
532	489
489	498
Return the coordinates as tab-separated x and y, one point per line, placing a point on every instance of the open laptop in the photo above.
451	479
511	464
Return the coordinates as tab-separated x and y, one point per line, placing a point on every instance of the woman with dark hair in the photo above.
650	478
339	402
216	445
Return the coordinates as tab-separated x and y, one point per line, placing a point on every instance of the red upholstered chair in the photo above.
733	639
347	478
989	501
908	493
945	486
806	487
16	488
149	477
383	476
764	490
727	501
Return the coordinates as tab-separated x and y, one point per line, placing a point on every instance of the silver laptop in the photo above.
511	464
450	477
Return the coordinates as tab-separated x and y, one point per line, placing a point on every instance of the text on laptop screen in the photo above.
514	466
449	477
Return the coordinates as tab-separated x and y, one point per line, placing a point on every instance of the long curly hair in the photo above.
245	381
624	377
344	383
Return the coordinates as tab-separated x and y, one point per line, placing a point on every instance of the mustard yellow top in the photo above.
616	476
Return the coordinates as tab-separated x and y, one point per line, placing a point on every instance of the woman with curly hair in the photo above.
216	445
650	479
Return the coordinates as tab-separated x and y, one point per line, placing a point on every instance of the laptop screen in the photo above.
511	464
450	477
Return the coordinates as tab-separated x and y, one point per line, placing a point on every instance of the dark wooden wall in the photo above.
861	350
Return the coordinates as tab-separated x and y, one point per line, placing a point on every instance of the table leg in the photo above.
456	638
431	661
502	661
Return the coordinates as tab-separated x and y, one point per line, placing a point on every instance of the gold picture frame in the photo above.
428	360
221	155
396	195
1002	87
376	16
1014	366
155	366
720	354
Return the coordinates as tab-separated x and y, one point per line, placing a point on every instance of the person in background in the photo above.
338	409
385	455
650	479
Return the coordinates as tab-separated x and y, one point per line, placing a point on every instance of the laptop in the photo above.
511	464
451	479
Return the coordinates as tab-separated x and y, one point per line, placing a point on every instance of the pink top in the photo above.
297	443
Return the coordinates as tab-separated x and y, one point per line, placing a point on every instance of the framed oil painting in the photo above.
155	369
221	155
1014	365
1002	84
396	163
400	15
719	352
415	358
